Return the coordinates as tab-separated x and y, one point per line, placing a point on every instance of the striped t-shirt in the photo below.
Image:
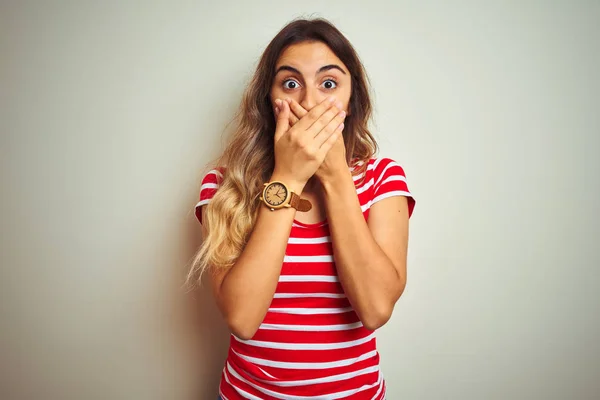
311	344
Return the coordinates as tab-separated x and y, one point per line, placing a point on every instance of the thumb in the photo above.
283	119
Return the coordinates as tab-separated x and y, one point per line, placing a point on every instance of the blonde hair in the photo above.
248	160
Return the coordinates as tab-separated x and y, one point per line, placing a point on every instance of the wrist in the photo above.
293	184
334	182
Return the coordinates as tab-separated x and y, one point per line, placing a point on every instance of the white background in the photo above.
110	112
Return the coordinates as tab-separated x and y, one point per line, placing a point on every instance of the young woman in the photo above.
305	230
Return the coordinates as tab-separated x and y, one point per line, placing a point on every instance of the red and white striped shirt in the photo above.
311	344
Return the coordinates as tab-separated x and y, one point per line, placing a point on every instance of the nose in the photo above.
311	97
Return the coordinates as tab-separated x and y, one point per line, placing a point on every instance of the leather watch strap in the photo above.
299	203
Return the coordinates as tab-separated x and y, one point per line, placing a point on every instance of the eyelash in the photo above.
327	79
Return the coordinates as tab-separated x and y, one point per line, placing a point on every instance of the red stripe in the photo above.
267	335
349	317
307	302
309	287
308	268
302	249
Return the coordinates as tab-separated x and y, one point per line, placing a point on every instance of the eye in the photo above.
329	84
290	84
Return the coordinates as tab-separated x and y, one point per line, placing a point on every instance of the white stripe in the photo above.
393	178
327	379
310	311
391	194
376	162
237	389
308	259
308	278
306	346
209	186
370	167
222	395
379	380
307	365
365	186
390	164
202	202
265	372
290	397
215	172
311	328
357	177
323	239
366	206
309	295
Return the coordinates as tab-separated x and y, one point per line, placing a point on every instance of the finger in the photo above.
309	119
296	112
334	125
296	108
329	143
326	118
283	123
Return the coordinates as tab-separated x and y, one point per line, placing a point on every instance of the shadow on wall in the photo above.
207	332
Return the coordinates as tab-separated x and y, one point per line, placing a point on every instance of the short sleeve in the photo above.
390	180
208	188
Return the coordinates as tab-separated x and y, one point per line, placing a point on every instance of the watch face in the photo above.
275	194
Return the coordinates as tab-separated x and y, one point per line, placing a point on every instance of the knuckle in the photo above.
302	143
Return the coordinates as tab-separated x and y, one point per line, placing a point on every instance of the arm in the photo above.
370	257
245	291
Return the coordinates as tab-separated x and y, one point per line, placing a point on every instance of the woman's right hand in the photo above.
301	149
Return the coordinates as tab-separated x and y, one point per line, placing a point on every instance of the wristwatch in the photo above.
277	195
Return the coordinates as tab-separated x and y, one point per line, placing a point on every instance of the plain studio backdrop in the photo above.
110	112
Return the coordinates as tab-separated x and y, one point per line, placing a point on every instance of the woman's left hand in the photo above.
335	162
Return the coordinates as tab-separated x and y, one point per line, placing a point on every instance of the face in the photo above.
309	72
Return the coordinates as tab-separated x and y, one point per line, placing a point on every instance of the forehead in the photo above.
308	57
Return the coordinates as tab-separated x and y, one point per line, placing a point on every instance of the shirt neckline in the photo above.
310	226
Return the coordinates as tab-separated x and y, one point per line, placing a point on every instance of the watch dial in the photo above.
275	194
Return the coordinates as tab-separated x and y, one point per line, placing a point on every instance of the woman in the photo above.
305	231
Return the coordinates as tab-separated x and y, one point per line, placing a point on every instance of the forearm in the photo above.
369	278
248	288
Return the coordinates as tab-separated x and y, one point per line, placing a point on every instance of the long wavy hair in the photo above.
248	160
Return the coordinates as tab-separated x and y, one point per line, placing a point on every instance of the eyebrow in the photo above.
322	69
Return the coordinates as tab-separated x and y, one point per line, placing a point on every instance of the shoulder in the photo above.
385	166
214	176
388	179
209	185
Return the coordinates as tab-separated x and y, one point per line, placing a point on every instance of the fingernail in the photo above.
331	99
278	102
343	114
289	101
276	110
341	127
339	105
